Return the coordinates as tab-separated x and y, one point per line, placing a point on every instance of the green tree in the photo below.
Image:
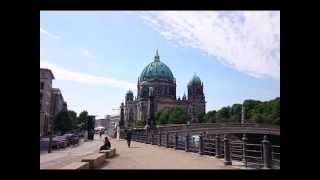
201	118
162	116
223	114
64	121
82	120
177	115
210	117
235	113
267	112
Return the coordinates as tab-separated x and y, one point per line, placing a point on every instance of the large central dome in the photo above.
156	70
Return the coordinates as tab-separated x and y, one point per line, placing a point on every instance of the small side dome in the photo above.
195	80
129	92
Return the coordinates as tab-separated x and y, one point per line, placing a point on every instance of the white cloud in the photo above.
87	53
48	34
65	74
248	41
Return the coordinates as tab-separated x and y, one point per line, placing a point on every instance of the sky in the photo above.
97	56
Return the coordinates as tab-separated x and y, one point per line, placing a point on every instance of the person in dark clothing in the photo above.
100	134
129	134
107	144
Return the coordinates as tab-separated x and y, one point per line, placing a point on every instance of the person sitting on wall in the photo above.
107	144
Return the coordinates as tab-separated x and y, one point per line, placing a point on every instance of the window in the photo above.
40	106
41	85
41	96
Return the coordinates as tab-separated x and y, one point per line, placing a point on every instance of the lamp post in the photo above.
242	114
50	123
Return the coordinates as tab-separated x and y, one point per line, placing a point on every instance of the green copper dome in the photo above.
195	80
129	92
156	69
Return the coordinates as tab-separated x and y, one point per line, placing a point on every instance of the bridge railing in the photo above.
255	155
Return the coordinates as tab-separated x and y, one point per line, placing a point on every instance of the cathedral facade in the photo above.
159	77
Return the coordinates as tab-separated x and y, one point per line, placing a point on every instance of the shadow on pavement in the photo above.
115	156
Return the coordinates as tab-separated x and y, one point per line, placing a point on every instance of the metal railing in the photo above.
254	155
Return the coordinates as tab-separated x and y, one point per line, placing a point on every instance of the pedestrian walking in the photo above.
100	134
129	134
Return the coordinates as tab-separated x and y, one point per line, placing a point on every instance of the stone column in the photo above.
218	152
227	152
151	119
244	149
121	123
267	153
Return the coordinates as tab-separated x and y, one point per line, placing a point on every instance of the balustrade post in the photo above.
200	144
218	152
227	152
187	143
167	140
176	140
244	149
267	153
146	137
159	138
152	138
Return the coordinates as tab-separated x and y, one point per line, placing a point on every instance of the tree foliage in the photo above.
267	112
65	121
82	120
175	115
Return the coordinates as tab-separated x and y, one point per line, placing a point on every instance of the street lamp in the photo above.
242	114
50	123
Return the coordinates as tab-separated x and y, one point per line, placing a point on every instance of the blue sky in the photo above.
97	56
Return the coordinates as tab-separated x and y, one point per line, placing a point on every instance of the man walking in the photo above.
129	134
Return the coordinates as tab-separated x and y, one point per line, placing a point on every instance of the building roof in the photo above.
45	69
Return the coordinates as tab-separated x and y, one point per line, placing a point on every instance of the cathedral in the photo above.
158	77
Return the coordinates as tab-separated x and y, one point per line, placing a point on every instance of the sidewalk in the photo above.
146	156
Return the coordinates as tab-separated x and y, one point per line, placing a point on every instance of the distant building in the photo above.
46	78
101	122
159	76
112	121
57	102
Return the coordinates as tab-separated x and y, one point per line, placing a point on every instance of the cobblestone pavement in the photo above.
139	156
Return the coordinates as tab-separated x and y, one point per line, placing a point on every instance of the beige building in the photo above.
46	78
57	102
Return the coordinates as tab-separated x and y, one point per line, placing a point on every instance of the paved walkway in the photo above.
146	156
139	156
60	158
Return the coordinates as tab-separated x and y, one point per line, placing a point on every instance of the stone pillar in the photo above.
267	153
227	152
187	143
176	140
244	149
167	140
218	152
151	119
121	123
201	144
